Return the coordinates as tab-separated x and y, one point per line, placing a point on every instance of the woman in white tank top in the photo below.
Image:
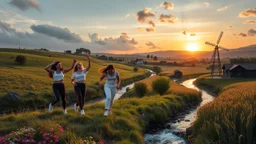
56	71
112	84
79	75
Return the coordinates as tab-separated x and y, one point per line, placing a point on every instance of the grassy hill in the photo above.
131	118
32	78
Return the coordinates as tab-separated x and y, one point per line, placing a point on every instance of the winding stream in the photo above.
167	136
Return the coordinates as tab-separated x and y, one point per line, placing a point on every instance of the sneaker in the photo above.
75	108
65	111
50	107
110	112
106	113
82	112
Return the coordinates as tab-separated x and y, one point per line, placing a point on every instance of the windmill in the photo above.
215	61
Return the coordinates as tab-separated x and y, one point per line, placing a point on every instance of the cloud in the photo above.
121	43
248	13
150	29
10	37
25	4
167	5
184	33
143	15
251	32
152	23
150	44
249	22
206	4
167	18
242	35
192	34
57	32
139	29
94	27
222	9
230	26
127	15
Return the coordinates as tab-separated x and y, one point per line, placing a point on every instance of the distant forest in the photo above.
242	60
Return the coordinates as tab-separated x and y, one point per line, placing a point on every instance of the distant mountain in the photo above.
247	51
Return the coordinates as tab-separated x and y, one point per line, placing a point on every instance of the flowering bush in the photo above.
44	135
47	134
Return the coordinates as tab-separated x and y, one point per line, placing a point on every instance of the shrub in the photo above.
157	69
140	89
161	85
20	59
135	69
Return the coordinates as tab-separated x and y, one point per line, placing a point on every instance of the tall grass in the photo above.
216	85
230	118
130	119
175	89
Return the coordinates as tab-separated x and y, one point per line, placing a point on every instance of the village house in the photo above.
247	70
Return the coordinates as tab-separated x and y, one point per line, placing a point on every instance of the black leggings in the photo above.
59	91
80	89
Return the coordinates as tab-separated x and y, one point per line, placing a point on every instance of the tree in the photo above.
83	51
20	59
155	58
151	57
140	89
157	69
135	69
161	85
148	56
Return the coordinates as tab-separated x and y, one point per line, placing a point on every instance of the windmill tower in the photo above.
215	61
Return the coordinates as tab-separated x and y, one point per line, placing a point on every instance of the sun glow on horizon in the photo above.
192	47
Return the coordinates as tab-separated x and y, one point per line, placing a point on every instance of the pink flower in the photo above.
56	140
56	137
51	141
51	129
44	142
101	142
40	143
61	130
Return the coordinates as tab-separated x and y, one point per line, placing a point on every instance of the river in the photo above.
167	136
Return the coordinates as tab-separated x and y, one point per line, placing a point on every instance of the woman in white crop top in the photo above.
79	75
56	71
112	84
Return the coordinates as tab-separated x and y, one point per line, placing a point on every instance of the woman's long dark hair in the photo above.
54	68
109	67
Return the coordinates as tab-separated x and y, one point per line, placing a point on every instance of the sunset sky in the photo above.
121	26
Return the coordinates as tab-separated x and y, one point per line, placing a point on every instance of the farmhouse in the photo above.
139	61
246	70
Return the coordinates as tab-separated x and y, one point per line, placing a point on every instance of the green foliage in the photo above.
140	89
243	60
157	69
161	85
135	69
131	117
20	59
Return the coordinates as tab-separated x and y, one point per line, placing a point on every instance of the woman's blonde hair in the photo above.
75	69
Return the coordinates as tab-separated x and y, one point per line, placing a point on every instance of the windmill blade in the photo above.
211	44
221	33
220	47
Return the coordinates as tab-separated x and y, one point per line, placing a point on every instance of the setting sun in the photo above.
192	47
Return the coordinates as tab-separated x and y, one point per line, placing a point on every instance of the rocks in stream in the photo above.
189	130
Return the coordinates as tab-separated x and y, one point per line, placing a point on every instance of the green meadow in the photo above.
32	81
216	85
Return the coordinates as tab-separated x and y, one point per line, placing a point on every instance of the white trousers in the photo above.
110	91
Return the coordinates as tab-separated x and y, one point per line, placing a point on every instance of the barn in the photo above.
247	70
